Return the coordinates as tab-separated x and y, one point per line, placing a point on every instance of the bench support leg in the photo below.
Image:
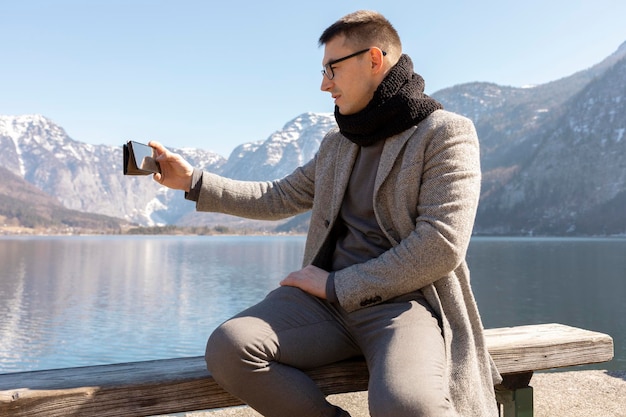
515	396
516	403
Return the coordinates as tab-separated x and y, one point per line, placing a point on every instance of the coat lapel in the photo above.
344	162
388	159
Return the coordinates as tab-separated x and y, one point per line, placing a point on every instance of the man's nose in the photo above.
326	83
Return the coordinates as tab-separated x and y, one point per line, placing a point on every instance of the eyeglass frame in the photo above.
329	65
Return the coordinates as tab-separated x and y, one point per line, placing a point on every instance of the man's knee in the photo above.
234	343
218	347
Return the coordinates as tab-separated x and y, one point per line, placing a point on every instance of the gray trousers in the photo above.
258	355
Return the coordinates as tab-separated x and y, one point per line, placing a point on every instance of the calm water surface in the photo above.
73	301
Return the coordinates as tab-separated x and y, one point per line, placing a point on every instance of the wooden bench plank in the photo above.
183	384
546	346
141	388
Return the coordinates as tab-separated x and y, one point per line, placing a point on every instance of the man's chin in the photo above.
343	112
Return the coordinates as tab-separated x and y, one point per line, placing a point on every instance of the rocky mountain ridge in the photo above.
553	158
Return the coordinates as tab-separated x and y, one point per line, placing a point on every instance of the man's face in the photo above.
353	84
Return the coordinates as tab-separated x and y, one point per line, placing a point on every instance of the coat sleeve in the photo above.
427	207
260	200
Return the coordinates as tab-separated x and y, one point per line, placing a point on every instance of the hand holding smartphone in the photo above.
139	159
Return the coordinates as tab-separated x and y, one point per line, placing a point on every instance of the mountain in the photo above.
283	151
24	206
275	157
553	156
88	178
553	159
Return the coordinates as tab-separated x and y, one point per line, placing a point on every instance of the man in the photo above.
393	194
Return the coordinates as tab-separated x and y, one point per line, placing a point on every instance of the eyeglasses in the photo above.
328	70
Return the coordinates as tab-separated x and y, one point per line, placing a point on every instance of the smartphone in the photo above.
140	159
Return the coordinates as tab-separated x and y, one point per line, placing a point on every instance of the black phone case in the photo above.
130	163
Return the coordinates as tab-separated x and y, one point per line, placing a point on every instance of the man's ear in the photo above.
377	59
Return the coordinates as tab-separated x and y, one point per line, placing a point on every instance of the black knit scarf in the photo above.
399	102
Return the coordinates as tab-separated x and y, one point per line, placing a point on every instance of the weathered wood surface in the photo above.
140	388
183	384
546	346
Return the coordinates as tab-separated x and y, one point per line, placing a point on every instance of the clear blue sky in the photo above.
216	74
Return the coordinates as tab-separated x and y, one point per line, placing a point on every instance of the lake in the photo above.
74	301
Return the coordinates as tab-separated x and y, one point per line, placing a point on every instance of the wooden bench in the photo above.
177	385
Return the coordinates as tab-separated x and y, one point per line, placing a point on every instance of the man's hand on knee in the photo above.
310	279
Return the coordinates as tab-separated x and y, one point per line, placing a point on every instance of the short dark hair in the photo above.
364	28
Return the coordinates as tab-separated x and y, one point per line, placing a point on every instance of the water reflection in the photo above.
578	282
94	300
79	301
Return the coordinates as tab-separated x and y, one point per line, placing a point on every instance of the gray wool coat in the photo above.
425	198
